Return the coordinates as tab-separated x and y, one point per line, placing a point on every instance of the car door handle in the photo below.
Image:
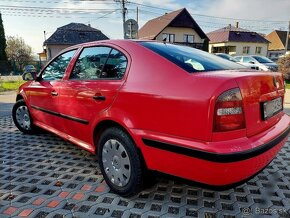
99	97
54	93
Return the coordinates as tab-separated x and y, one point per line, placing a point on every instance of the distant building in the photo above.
71	34
277	44
176	27
237	41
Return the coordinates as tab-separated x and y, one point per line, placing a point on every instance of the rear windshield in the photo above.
191	59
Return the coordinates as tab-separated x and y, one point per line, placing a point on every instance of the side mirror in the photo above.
28	76
252	62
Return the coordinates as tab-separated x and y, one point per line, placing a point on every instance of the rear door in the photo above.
90	89
43	94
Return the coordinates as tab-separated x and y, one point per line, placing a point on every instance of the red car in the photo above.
143	105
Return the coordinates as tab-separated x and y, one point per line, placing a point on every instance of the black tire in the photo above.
135	181
26	127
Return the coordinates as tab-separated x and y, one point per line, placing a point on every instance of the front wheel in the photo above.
120	162
22	118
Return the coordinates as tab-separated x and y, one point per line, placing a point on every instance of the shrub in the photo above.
284	66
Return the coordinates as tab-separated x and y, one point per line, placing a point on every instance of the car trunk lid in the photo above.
262	94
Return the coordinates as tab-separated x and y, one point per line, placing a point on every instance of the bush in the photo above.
284	66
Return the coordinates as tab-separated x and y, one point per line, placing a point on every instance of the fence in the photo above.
14	68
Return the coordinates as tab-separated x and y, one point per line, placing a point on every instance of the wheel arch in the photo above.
105	124
19	97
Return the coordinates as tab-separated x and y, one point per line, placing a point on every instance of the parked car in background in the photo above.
226	56
29	72
29	68
257	62
145	105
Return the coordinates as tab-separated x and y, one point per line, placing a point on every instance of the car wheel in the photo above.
120	162
22	118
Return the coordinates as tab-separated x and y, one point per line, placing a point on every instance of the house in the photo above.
277	44
71	34
237	41
176	27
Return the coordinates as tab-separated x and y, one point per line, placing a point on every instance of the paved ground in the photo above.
7	99
44	176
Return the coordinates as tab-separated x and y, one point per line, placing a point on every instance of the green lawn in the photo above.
10	85
287	84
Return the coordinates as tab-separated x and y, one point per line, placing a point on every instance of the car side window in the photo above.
56	69
115	66
90	63
99	63
248	60
239	59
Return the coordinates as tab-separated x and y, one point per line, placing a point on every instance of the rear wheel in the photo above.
120	162
22	118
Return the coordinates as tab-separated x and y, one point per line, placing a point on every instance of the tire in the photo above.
22	118
120	162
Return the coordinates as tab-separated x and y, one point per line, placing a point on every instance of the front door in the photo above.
90	89
43	93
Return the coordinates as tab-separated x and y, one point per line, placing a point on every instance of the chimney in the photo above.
89	25
237	24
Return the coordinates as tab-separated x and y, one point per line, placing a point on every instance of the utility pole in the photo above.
287	38
137	19
124	9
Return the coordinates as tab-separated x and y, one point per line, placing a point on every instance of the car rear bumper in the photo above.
213	163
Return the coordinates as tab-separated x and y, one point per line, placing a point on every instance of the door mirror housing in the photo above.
252	62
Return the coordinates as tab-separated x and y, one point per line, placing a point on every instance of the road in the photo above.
7	99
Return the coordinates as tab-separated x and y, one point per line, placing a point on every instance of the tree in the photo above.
18	52
3	56
284	66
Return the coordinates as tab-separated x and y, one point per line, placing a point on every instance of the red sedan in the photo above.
144	105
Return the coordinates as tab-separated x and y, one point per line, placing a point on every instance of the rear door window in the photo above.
99	63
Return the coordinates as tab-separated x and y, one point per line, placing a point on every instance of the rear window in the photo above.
191	59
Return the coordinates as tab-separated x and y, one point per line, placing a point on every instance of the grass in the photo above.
10	85
287	84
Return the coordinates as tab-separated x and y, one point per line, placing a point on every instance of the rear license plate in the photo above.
270	108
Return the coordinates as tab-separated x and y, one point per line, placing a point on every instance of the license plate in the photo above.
270	108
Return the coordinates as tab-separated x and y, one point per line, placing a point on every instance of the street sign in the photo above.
131	29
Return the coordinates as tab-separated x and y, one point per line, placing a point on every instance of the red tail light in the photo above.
228	114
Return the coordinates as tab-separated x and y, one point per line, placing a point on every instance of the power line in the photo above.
56	8
202	15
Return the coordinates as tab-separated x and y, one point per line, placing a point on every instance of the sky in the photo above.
30	18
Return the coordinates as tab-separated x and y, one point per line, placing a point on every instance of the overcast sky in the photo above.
29	18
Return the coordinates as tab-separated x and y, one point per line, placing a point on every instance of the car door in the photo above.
90	89
42	93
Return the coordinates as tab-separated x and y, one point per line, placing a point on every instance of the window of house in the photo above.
56	69
169	37
246	50
99	63
188	38
258	50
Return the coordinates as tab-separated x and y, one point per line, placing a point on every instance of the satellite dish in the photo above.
131	29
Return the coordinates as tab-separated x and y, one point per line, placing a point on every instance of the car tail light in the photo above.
228	114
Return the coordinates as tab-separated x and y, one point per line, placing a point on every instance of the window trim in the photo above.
248	49
39	76
187	35
260	48
99	79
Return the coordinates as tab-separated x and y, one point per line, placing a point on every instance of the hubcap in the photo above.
22	117
116	163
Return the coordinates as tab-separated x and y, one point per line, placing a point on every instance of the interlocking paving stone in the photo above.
45	176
